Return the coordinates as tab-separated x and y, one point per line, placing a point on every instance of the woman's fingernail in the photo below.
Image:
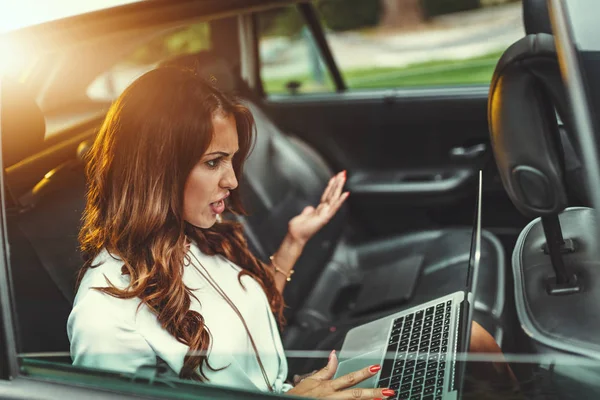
374	368
344	172
388	392
331	354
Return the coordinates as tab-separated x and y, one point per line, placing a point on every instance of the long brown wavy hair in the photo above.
152	137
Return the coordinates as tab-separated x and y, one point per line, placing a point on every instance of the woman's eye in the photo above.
213	163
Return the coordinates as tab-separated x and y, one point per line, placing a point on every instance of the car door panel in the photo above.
412	155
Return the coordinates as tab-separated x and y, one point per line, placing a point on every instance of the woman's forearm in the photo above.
284	259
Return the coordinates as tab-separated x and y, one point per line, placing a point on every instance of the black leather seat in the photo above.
283	175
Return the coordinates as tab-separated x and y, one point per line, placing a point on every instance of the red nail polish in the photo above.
379	398
388	392
374	368
344	173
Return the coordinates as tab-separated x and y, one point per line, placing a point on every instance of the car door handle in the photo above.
468	152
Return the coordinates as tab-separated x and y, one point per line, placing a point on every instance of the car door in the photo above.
404	111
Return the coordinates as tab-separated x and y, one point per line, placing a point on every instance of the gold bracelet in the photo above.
288	276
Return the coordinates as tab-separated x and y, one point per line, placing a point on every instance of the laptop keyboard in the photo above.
415	363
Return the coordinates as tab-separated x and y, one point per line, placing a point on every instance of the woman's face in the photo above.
213	177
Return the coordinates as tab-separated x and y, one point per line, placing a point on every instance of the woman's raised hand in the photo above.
320	385
302	227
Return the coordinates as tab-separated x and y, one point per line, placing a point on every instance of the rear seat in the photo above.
282	175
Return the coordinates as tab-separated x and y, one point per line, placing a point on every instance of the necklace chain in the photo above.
219	290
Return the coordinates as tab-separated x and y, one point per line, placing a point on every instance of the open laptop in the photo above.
417	347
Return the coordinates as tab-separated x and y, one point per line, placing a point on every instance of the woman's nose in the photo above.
229	180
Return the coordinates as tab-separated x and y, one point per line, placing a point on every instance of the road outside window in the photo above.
390	44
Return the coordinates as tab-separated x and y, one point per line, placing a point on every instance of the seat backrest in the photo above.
282	176
536	19
41	299
537	158
525	94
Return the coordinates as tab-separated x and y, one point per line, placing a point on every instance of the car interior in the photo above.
405	232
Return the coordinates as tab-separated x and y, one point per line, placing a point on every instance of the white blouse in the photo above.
120	335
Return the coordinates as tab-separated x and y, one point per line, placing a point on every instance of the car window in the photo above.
146	56
290	60
391	44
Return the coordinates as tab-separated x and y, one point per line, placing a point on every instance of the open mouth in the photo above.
218	207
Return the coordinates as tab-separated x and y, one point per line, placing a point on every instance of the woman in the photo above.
164	279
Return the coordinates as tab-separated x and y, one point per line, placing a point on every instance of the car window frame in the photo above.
311	18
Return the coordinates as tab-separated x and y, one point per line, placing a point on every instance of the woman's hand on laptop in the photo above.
320	385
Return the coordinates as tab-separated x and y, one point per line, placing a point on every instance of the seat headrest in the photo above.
23	123
536	17
209	66
525	94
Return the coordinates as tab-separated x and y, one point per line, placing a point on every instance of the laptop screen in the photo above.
471	279
475	253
